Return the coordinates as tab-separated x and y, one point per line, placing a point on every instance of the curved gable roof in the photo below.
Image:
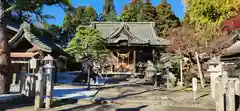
136	32
44	43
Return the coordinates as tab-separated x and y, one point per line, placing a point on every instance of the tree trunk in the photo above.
5	62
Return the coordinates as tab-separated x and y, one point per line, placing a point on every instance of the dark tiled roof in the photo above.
44	42
134	32
234	49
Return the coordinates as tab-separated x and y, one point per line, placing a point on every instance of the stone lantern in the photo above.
167	65
215	70
48	60
150	72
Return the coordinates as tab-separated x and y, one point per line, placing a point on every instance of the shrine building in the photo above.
27	41
130	43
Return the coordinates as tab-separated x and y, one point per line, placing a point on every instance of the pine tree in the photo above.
79	17
139	4
109	12
165	18
164	2
67	21
148	13
133	12
91	14
125	14
129	13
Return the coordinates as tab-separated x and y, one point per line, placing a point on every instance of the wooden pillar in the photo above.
181	71
200	70
134	61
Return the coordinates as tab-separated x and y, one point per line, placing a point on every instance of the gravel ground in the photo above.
132	96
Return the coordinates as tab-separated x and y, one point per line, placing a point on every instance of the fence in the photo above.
227	93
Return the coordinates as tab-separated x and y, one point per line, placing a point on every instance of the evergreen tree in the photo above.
132	11
148	13
67	21
165	18
109	12
139	4
91	14
79	16
129	13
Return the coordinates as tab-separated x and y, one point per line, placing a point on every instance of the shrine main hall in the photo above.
131	44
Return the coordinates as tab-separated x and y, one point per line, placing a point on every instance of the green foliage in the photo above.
207	12
59	36
148	13
87	41
109	11
79	16
91	14
67	24
129	14
187	77
171	58
132	12
28	8
165	18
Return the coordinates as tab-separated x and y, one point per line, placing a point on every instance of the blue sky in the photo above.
59	14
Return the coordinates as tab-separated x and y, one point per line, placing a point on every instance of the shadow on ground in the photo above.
29	102
21	102
131	109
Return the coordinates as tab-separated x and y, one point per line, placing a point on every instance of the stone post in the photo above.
194	88
215	68
39	89
230	95
22	78
167	65
49	81
219	95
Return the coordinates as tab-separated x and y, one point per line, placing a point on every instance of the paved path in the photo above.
132	107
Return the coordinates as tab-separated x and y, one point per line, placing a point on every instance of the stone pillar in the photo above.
215	70
219	95
49	80
230	95
39	89
22	78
